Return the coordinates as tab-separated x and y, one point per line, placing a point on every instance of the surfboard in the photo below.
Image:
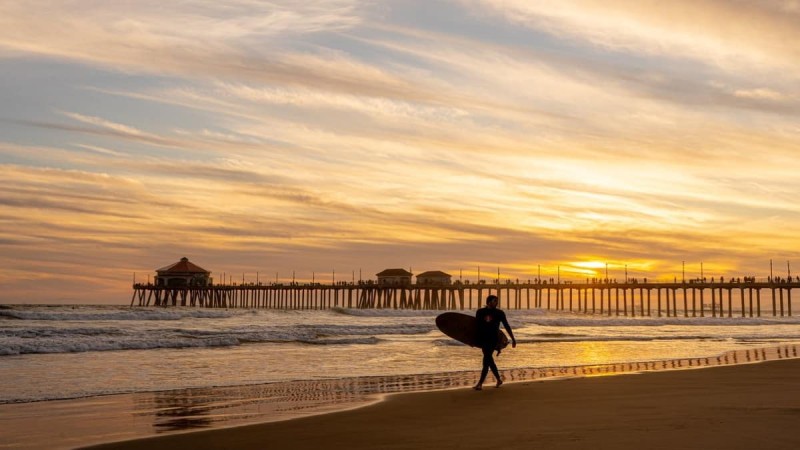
464	328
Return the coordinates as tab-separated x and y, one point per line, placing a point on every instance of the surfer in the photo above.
489	319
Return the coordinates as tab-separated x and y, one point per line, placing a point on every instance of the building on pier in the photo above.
394	277
434	278
182	273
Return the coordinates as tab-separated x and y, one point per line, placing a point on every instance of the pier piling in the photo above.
629	300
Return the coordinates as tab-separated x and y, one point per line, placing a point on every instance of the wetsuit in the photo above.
489	320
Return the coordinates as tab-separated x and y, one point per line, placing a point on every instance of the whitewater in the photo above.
75	351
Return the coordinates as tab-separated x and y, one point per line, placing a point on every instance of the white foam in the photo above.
575	320
65	329
385	312
68	337
84	313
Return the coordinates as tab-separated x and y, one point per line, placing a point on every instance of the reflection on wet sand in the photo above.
99	419
188	409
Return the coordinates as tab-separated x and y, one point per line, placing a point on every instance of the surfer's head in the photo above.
491	301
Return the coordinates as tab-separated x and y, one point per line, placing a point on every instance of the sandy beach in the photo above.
734	407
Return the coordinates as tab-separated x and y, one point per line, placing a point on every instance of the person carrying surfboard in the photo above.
489	319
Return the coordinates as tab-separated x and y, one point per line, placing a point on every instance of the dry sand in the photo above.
754	406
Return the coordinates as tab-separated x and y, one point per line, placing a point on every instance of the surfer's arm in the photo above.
508	328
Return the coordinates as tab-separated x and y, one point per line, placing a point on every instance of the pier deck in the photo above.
679	299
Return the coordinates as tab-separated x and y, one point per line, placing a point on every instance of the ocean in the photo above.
53	354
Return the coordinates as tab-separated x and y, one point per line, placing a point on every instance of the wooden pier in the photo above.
679	299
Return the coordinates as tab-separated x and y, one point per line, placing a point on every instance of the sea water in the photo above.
68	352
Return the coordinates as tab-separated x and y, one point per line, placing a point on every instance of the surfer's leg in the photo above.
495	372
487	363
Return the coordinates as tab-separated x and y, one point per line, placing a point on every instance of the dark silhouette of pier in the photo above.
737	297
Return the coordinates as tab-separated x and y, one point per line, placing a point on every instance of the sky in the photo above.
332	137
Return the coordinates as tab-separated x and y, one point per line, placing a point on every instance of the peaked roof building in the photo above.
182	273
434	273
394	273
434	277
394	276
182	266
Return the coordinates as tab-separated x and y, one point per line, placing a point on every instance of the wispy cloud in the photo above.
339	133
716	31
107	124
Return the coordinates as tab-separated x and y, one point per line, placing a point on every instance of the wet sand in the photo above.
111	418
733	407
94	420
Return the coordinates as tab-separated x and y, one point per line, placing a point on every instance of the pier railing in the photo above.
734	298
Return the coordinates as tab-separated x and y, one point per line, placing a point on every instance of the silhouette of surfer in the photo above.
489	319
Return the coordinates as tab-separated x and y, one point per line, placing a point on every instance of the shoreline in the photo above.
120	417
784	350
738	406
194	409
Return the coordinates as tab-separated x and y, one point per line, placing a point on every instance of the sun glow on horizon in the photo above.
590	264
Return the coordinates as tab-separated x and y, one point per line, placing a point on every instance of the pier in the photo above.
733	298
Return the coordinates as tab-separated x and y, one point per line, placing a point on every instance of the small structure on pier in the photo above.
182	273
434	277
394	277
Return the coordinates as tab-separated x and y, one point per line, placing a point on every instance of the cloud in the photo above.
759	94
103	123
100	128
203	23
205	41
101	150
749	33
336	134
